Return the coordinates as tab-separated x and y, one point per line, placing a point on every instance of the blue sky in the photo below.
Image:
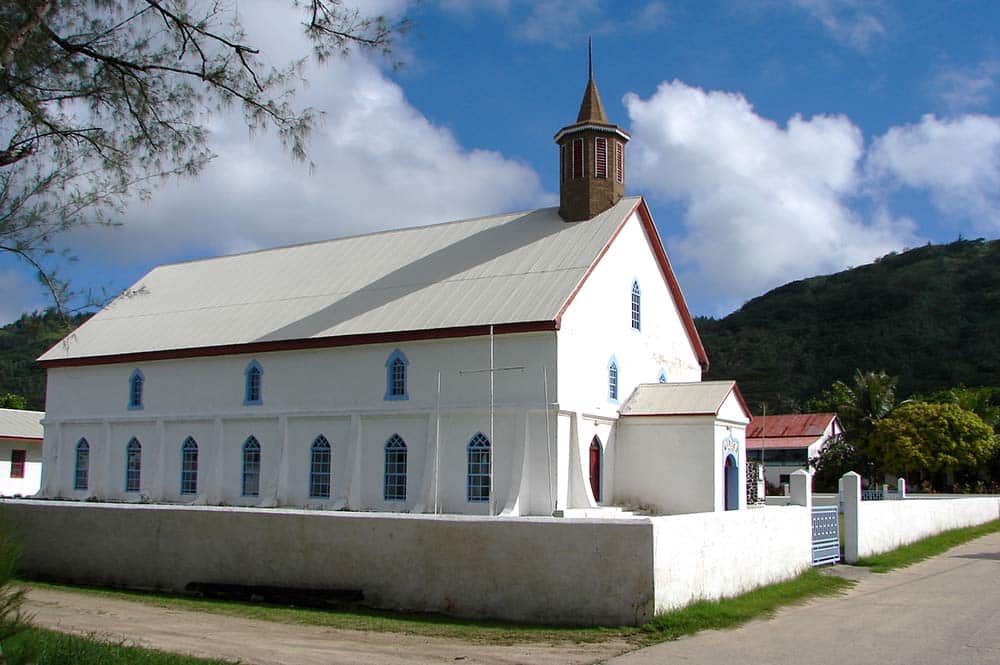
774	140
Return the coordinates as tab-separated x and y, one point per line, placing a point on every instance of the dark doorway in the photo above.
595	468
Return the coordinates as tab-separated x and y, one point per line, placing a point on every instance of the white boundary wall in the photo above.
873	527
716	555
596	572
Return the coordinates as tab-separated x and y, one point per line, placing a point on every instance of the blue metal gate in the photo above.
825	535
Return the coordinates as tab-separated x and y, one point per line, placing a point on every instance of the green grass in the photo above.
732	612
45	647
926	548
724	613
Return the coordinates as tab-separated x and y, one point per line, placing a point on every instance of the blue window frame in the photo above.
613	380
135	385
251	467
252	385
636	302
395	469
81	470
320	465
478	485
189	466
395	376
133	465
662	378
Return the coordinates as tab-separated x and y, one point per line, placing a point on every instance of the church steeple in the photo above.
591	159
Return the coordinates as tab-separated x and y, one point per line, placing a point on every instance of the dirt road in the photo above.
269	643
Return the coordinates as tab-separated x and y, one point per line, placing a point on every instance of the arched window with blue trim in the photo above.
395	376
81	470
135	385
189	466
662	378
252	385
133	465
636	308
320	466
478	481
395	469
613	380
251	467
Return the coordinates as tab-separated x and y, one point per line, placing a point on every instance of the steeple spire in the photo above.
591	157
591	109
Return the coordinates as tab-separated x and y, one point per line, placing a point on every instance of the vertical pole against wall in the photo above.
553	501
493	443
437	442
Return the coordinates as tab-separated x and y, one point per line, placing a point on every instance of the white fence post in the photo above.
901	487
800	483
851	483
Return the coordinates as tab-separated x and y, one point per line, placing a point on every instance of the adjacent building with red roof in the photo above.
786	443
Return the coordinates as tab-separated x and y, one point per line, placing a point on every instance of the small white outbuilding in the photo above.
20	452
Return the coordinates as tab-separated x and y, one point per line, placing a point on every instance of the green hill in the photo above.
24	340
930	316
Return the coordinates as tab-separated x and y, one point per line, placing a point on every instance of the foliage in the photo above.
930	316
12	620
926	548
836	458
51	648
983	401
12	401
102	98
24	340
920	437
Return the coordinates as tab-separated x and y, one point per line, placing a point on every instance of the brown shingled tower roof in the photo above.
591	109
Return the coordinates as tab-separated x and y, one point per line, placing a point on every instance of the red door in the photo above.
595	468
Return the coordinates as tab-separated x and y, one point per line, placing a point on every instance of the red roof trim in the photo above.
309	343
668	274
21	439
739	396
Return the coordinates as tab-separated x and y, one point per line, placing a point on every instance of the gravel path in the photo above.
270	643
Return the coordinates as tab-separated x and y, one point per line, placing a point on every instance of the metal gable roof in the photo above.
694	398
21	424
510	269
790	425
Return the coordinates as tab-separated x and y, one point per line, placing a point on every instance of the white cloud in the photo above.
966	88
379	163
856	23
956	160
20	295
764	204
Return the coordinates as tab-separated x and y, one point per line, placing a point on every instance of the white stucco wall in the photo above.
596	572
715	555
598	325
885	525
335	392
29	484
676	464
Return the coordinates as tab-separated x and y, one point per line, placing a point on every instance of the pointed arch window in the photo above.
613	380
81	469
600	158
662	378
252	385
251	467
563	163
395	376
636	306
478	481
135	385
320	465
577	158
133	465
189	466
395	469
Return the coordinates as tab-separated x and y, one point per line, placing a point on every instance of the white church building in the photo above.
534	363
